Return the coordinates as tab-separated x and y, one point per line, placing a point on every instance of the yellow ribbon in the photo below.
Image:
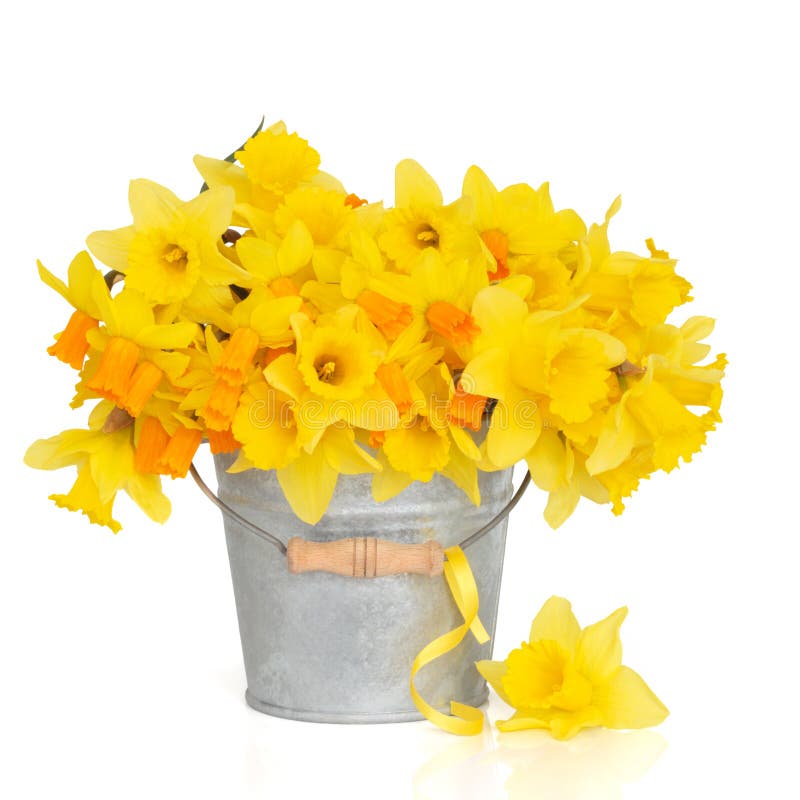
463	720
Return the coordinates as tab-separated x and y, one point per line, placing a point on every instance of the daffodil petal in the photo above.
493	672
547	462
556	621
152	205
167	337
513	431
598	653
565	725
344	455
499	314
145	491
53	282
627	702
414	186
308	484
210	212
389	482
525	720
283	374
463	472
112	247
561	503
487	374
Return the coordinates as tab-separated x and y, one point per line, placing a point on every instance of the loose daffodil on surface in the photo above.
443	335
565	678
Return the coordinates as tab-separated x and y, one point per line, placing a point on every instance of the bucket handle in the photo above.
363	556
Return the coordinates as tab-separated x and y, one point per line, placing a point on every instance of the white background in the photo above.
120	673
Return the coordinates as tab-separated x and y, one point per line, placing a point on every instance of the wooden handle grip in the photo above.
365	557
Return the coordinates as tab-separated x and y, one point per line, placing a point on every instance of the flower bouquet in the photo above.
309	332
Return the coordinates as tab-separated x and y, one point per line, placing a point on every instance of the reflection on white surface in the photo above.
595	765
282	758
457	771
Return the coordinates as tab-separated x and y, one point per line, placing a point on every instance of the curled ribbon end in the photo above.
464	720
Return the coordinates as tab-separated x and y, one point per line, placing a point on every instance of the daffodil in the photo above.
332	375
273	163
135	351
172	252
84	283
420	222
327	218
366	261
558	467
532	363
518	221
269	260
266	424
378	339
565	678
440	292
654	410
427	441
644	289
106	465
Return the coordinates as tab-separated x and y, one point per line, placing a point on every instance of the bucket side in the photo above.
331	648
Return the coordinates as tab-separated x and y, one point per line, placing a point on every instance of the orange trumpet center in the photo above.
451	322
497	243
144	382
222	441
237	356
177	457
116	367
393	380
152	443
466	410
354	201
71	345
376	439
221	406
389	317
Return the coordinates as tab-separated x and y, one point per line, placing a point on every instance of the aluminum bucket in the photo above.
328	648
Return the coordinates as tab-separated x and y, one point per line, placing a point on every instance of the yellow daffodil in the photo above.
135	351
266	425
279	257
274	163
332	375
106	465
518	221
383	339
172	251
366	261
427	441
327	218
440	292
84	283
421	223
529	363
565	678
643	289
558	467
654	409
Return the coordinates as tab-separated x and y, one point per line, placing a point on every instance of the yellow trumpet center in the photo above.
175	257
326	370
428	236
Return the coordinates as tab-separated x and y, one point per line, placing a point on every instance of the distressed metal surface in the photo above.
329	648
